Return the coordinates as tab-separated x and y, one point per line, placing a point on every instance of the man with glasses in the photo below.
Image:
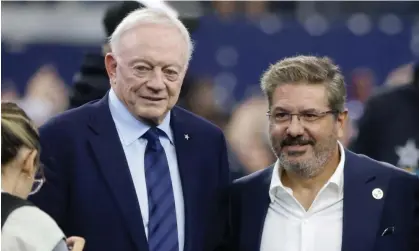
319	196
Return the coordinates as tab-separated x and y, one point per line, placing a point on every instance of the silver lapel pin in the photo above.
377	193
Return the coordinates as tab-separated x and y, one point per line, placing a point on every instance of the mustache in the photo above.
296	141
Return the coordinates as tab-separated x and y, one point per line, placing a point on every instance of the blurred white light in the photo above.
222	98
390	24
270	24
355	109
316	25
227	80
359	24
414	45
227	56
224	84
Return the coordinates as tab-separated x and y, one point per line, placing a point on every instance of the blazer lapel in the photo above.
111	158
187	163
254	209
361	211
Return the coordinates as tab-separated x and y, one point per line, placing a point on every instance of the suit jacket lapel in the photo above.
187	163
111	158
361	211
255	207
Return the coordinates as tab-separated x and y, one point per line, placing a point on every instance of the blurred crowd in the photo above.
245	125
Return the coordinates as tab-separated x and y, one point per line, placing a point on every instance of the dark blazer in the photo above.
364	218
90	193
389	121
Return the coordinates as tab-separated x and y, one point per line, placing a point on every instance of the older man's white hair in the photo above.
150	16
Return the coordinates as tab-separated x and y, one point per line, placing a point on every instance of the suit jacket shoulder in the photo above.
254	179
381	167
400	206
195	122
80	116
71	119
255	184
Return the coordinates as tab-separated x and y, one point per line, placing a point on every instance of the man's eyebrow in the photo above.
148	62
172	65
309	110
139	60
280	109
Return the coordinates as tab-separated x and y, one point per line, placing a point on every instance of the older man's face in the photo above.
147	69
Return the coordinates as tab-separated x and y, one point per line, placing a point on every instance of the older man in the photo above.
133	171
319	196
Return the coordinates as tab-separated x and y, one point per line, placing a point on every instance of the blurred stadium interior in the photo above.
235	42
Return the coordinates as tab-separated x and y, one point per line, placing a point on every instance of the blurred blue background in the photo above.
373	42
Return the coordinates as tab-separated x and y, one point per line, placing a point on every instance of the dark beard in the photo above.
309	167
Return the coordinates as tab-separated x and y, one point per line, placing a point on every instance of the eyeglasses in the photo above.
39	181
37	184
282	117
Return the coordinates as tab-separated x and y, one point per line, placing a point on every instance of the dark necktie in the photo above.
162	226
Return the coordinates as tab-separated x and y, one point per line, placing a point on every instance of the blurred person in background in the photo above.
363	83
349	131
248	138
360	88
256	9
224	9
92	82
8	91
133	168
389	129
200	99
319	194
401	75
46	95
24	226
252	9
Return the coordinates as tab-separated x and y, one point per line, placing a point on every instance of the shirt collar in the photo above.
336	178
129	128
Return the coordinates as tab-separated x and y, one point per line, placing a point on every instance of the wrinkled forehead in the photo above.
160	42
300	96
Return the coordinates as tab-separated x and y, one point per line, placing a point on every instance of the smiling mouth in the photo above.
296	147
296	150
152	98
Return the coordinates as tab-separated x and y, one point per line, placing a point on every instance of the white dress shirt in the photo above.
288	226
130	131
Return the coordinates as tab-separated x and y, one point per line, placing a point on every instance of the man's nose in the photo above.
295	128
156	81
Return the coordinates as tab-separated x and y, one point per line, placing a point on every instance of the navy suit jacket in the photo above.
90	193
364	218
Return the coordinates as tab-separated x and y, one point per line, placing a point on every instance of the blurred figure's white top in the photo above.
30	229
